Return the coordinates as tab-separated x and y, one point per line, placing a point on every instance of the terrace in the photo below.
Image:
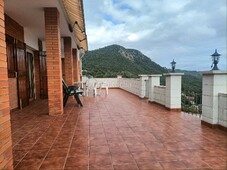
118	131
108	133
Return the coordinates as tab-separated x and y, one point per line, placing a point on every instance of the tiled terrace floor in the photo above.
119	131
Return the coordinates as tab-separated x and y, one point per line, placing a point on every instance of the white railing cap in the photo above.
173	74
212	72
143	75
154	75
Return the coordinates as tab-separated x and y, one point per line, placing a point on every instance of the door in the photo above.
30	75
11	59
22	78
43	75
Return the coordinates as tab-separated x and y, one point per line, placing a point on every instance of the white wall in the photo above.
131	85
30	39
160	95
222	109
112	82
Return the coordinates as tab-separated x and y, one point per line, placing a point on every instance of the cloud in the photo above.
188	30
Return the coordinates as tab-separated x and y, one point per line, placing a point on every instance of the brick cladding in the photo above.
68	61
5	125
53	52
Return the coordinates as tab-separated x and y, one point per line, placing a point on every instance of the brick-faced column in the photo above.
68	61
76	66
53	61
5	125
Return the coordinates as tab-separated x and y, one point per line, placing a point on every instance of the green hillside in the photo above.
116	60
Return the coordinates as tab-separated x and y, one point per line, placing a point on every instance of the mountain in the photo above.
116	60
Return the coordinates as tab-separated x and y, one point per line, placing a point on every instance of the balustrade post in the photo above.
142	88
173	91
214	82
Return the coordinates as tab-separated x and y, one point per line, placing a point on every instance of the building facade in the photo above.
41	42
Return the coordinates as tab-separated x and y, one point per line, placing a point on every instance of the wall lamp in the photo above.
75	23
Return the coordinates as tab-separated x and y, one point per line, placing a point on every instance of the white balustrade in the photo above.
222	109
159	95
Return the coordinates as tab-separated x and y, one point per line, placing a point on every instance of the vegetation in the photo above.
116	60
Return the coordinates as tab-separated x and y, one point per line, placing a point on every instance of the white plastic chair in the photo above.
91	85
103	85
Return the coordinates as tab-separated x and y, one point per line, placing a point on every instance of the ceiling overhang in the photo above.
30	15
75	13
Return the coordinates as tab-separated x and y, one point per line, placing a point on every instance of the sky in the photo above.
187	31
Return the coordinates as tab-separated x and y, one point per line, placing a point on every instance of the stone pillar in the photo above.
214	82
142	93
5	125
173	91
53	61
154	80
68	61
76	66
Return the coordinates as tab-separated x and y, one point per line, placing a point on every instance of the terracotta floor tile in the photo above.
99	150
101	167
23	147
132	141
59	152
15	163
42	145
18	155
173	165
215	162
195	163
123	158
98	142
156	147
184	154
77	168
77	161
53	163
149	165
29	164
137	148
118	148
130	131
126	167
36	154
74	152
164	156
143	156
99	160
